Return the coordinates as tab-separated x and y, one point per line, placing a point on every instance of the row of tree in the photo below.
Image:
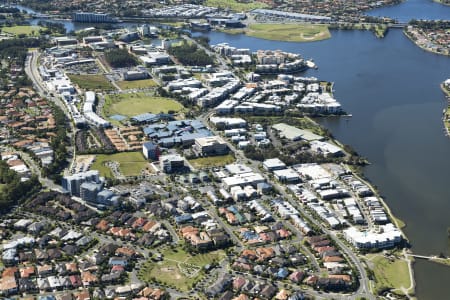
59	143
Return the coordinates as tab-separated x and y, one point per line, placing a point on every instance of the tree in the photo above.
120	58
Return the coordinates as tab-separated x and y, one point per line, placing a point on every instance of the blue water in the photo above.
413	9
392	89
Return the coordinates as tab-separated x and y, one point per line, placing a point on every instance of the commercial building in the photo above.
73	183
295	134
89	191
287	175
107	197
171	163
151	150
386	236
228	123
243	180
273	164
86	17
290	15
89	113
326	149
211	145
135	75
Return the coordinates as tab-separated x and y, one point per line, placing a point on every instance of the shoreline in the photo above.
442	3
400	224
446	111
422	47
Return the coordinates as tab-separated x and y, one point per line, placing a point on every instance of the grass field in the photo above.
289	32
91	82
235	5
137	84
23	29
138	103
178	268
212	161
391	274
131	163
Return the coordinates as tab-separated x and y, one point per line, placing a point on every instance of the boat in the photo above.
311	64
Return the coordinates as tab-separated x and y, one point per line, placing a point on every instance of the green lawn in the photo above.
178	269
91	82
131	163
235	5
137	84
23	29
391	274
211	161
289	32
138	103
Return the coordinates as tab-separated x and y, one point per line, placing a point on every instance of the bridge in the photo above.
398	25
433	257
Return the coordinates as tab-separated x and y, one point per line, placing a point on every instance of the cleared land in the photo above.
211	161
235	5
23	29
178	268
130	163
137	84
91	82
138	103
390	273
289	32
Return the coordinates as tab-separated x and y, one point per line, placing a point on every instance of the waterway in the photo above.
413	9
392	89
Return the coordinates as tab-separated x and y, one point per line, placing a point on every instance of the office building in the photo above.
73	183
210	145
151	151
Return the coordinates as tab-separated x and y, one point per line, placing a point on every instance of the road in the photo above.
35	169
364	288
32	71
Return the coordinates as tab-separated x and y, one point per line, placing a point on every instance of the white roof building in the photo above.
387	236
243	179
286	175
273	164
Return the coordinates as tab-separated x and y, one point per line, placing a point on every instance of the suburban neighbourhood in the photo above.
146	163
